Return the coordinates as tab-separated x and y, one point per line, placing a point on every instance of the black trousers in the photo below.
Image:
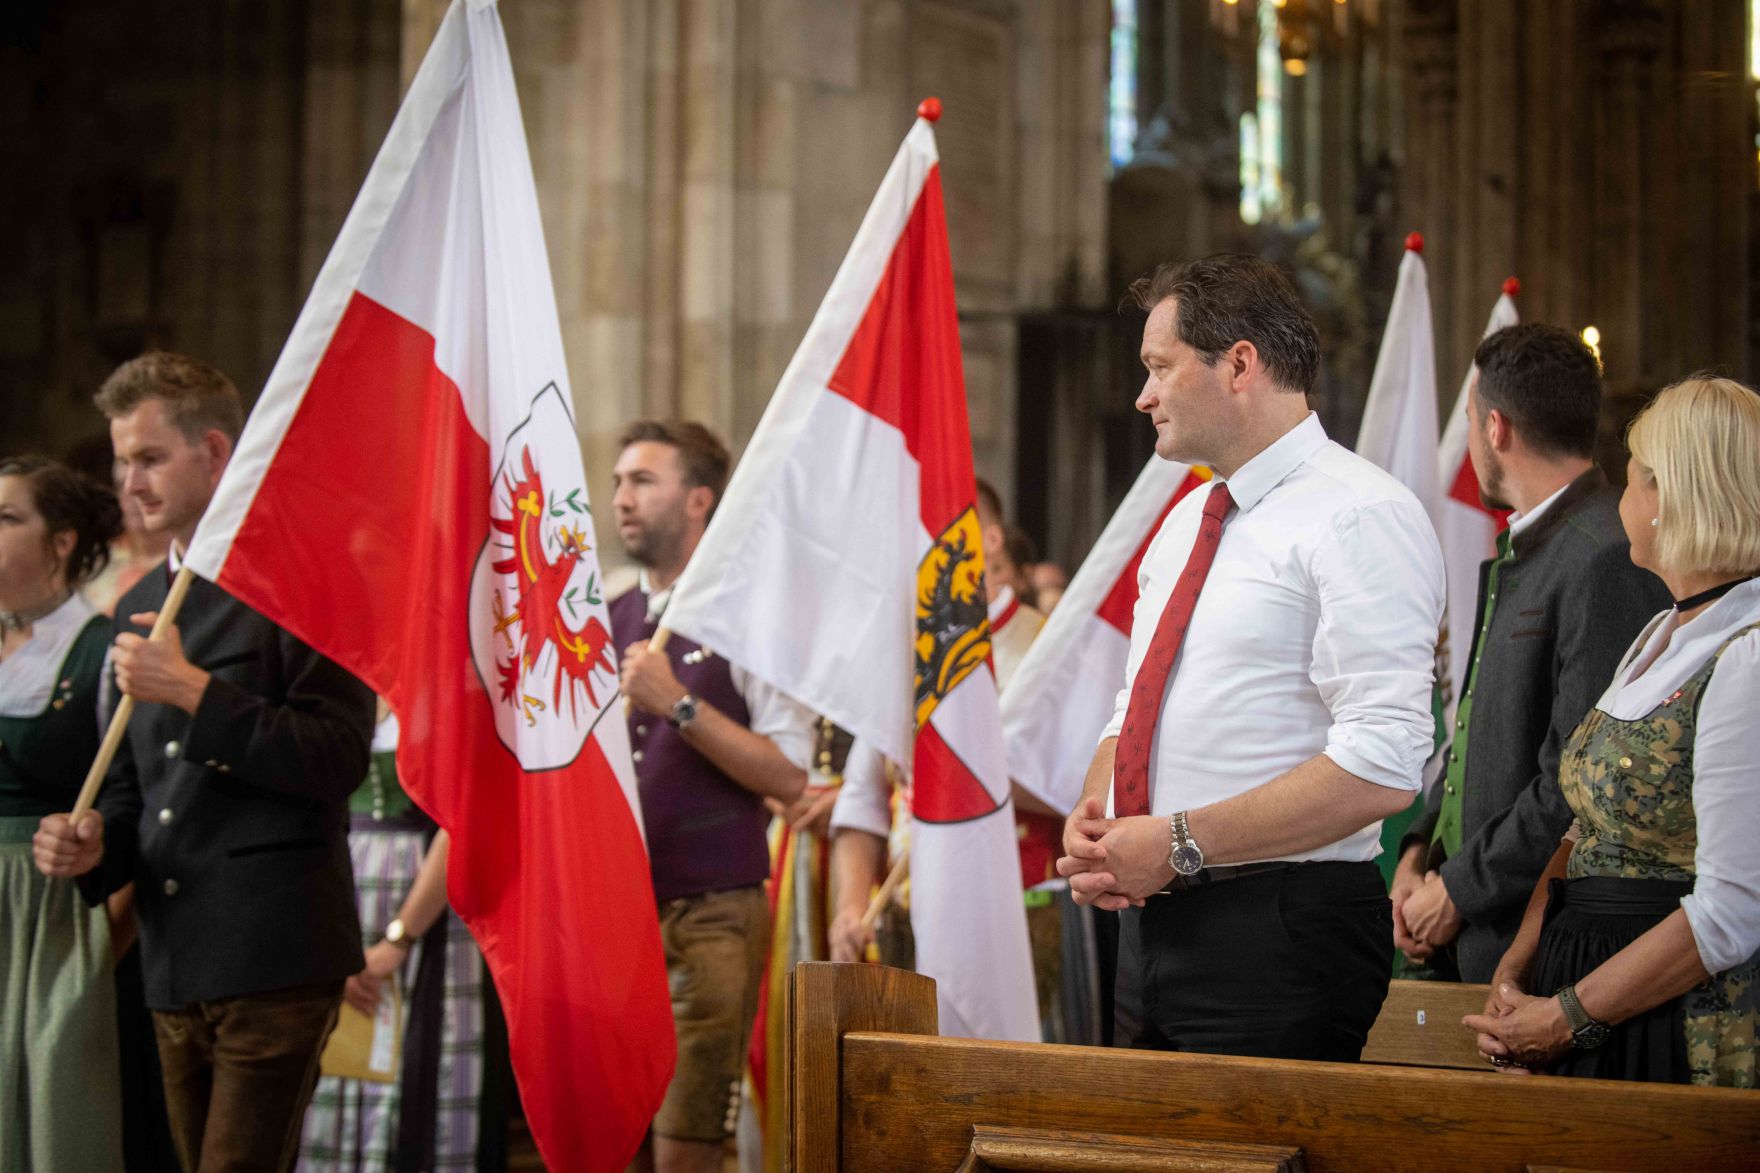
1287	964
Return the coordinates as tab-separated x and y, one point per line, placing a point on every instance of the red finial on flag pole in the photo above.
1512	286
1414	242
929	109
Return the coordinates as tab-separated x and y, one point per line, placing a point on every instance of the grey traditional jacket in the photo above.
1569	603
233	823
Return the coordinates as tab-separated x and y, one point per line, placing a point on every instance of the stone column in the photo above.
1431	60
1628	38
354	57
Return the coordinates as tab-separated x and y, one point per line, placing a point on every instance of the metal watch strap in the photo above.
1585	1031
1184	854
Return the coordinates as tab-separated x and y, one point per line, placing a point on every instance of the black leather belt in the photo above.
1217	875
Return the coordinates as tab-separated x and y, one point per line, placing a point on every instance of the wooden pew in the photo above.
873	1088
1420	1026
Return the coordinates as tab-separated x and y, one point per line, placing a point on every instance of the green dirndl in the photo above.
1630	784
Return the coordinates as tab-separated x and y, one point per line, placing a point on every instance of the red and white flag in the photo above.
1399	419
408	498
1065	689
844	566
1467	527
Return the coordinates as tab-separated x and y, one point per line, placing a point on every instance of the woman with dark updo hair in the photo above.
58	1025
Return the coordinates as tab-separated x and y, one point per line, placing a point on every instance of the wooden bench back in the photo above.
1420	1026
872	1088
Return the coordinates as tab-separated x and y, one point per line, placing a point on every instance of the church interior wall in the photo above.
702	165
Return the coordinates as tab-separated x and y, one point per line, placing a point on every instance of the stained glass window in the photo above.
1122	101
1262	129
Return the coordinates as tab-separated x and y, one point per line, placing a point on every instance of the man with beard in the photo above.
1558	606
710	743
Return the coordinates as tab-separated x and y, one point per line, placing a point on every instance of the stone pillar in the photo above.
1480	251
1628	37
354	58
1431	64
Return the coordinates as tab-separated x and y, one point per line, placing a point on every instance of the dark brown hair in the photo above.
197	396
705	457
69	501
1230	298
1547	381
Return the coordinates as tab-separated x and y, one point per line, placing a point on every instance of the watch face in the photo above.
1591	1036
1187	859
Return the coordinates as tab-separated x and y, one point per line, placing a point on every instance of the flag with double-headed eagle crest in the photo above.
408	498
844	566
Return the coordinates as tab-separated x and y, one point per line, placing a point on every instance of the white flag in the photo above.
1399	420
1065	689
844	566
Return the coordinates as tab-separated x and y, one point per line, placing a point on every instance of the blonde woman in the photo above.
1637	956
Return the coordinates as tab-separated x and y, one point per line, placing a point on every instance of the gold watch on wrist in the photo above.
397	934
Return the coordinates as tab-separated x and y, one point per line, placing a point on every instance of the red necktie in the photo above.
1130	763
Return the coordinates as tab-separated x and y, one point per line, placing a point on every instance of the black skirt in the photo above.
1587	921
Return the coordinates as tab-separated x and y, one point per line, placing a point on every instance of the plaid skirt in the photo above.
428	1118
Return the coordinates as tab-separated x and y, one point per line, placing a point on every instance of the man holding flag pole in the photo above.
227	806
408	501
712	745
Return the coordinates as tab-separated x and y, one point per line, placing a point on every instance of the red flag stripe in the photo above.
1465	489
1120	603
379	494
903	365
943	788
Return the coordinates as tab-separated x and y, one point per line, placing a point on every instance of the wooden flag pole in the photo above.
657	644
88	793
883	897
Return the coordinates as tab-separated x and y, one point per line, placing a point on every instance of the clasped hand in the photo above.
1114	863
1518	1032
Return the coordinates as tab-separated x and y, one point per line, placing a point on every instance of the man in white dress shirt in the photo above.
1277	697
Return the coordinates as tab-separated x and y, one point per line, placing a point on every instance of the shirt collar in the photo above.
1550	513
657	600
1258	476
1001	602
1521	521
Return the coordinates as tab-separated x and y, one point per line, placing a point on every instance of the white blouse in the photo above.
1724	907
29	675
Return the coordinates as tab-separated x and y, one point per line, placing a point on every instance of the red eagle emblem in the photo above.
545	602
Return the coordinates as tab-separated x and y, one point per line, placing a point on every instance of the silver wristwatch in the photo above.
684	711
1184	854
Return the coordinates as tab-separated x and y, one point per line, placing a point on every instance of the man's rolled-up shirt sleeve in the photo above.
788	724
1380	585
1724	906
864	802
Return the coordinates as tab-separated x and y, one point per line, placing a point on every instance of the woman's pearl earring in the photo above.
1655	521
